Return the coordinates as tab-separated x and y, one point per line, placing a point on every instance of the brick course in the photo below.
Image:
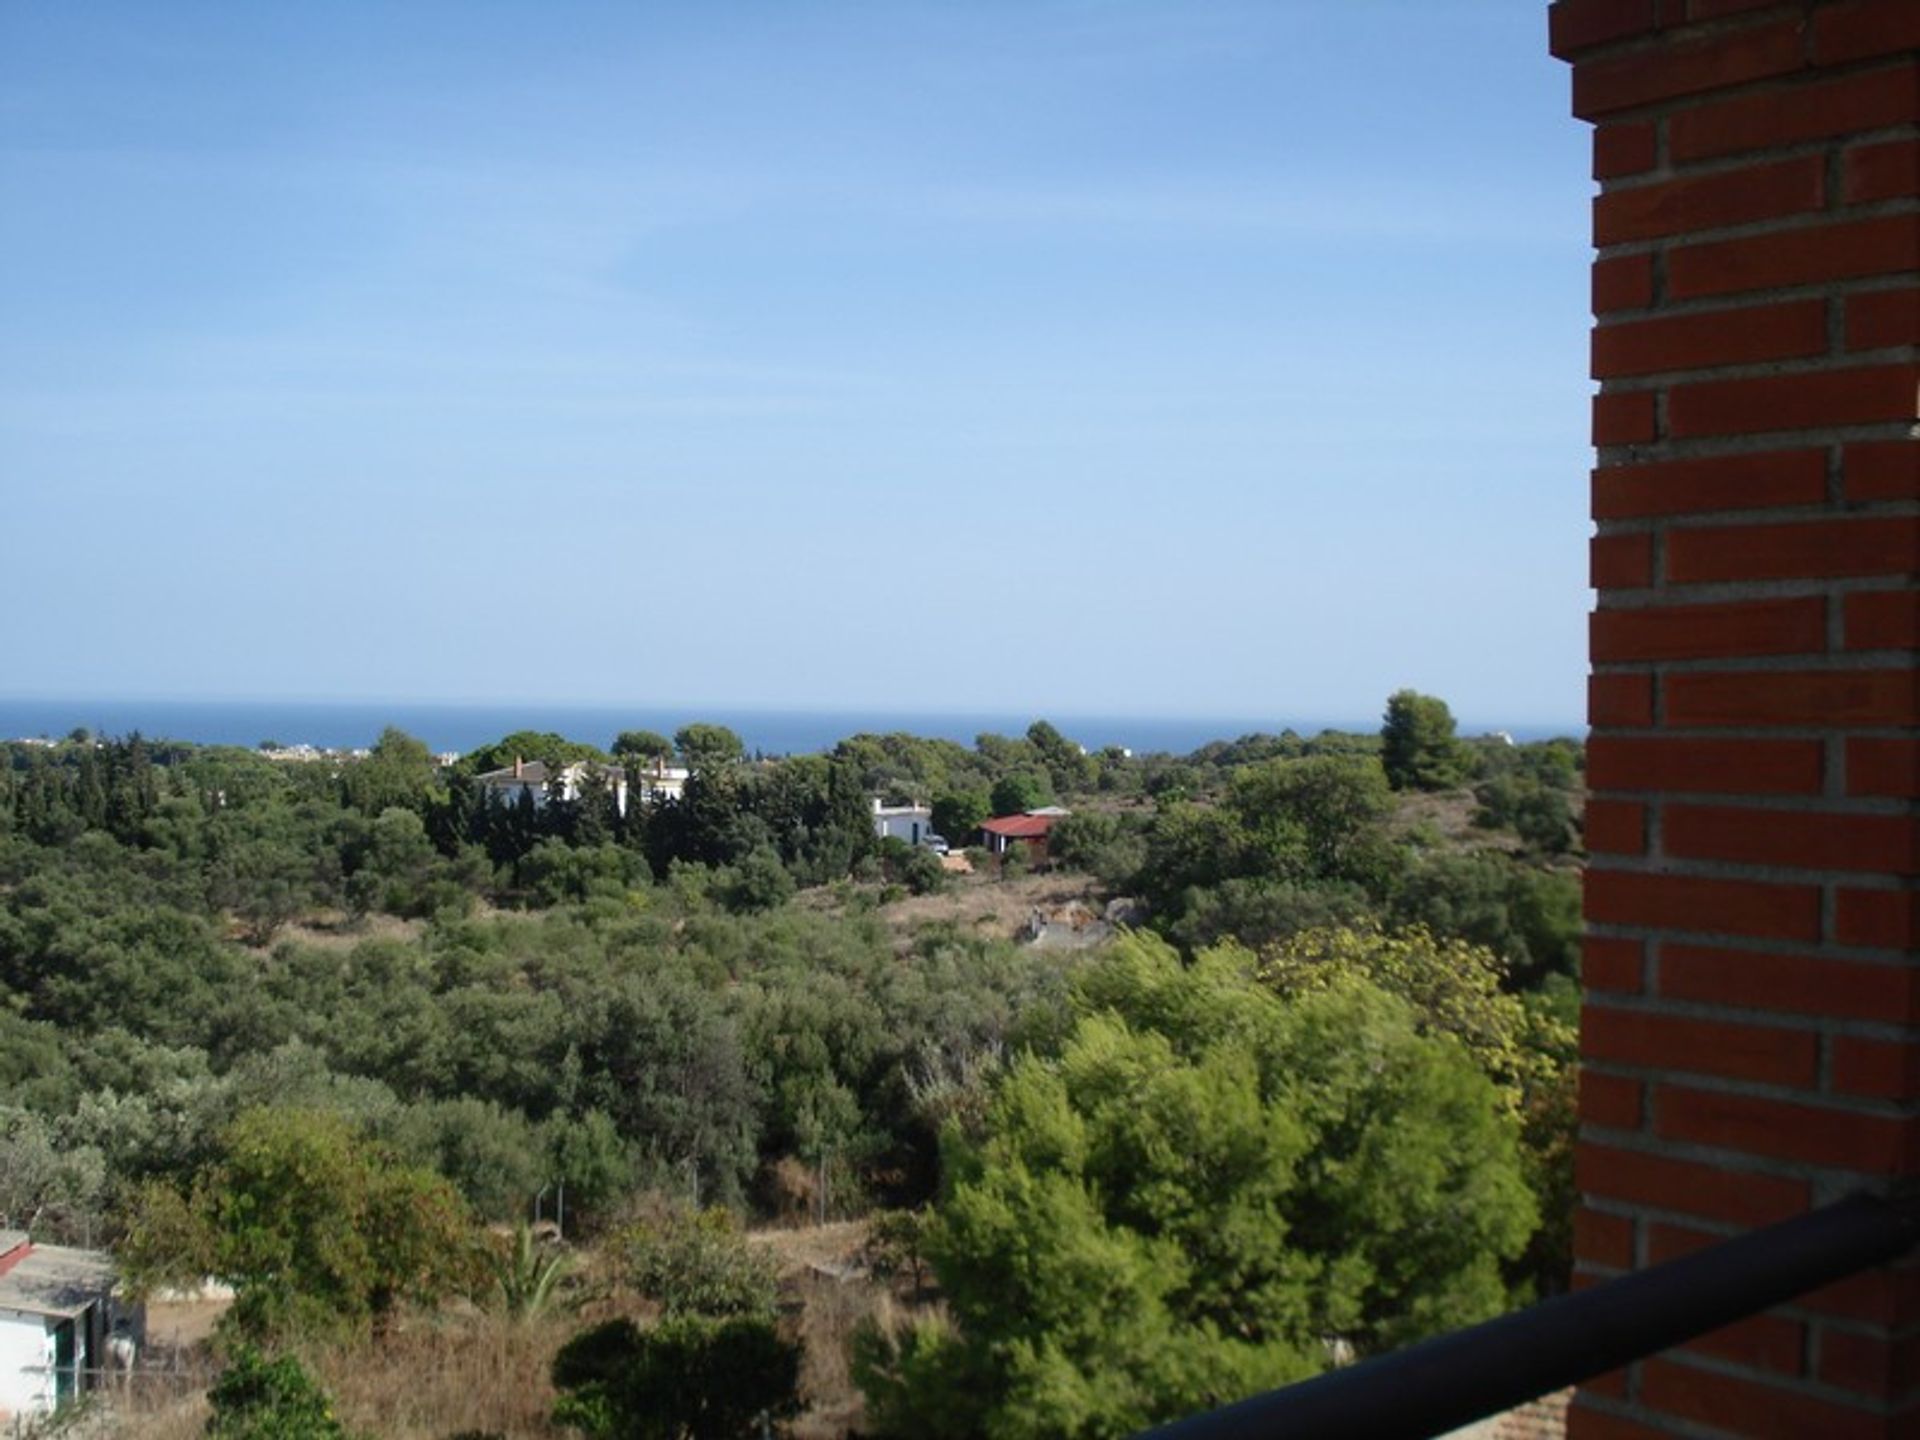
1751	1037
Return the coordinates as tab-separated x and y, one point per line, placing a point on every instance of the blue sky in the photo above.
1053	357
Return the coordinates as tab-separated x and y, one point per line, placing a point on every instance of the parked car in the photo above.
936	843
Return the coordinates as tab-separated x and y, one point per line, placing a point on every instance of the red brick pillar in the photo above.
1751	1030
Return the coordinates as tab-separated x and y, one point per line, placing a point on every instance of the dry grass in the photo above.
823	1275
1449	815
154	1408
430	1377
831	1312
433	1376
336	930
436	1376
988	905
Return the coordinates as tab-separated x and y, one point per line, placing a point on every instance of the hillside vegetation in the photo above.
329	1031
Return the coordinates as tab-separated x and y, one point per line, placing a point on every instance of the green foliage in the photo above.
1069	768
1524	1044
549	1015
261	1398
913	866
1294	842
316	1229
1316	818
758	882
1256	911
687	1378
1105	846
1529	790
697	1263
588	1156
1418	750
541	745
1529	916
1017	793
491	1155
958	814
399	773
642	745
896	1244
49	1186
1209	1182
1453	986
527	1276
707	748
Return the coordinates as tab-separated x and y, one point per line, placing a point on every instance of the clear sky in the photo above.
1053	356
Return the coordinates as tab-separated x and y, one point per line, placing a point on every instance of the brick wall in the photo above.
1751	1033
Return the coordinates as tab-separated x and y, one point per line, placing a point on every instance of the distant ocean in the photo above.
771	732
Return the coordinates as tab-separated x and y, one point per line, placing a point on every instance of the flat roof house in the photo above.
56	1313
910	823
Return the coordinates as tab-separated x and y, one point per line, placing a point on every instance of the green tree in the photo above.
1019	792
46	1187
958	814
398	772
707	748
1068	764
1316	818
1209	1183
315	1228
1418	748
758	882
587	1155
697	1263
258	1398
641	745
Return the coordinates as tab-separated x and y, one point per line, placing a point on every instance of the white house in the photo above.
658	781
533	778
56	1316
911	823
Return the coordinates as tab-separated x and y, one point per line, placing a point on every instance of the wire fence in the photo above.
163	1376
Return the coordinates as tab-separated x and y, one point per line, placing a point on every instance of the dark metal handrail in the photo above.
1453	1380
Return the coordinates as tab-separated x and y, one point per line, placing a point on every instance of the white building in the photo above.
533	778
911	823
658	781
56	1315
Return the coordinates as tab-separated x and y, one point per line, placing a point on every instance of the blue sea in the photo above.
770	732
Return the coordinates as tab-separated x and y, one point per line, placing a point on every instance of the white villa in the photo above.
535	780
659	781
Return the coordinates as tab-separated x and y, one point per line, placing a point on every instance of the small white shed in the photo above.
56	1313
911	823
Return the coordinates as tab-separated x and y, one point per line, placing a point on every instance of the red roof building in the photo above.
1030	829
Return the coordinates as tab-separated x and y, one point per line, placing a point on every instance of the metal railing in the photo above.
1454	1380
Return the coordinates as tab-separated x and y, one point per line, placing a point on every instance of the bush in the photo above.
701	1379
696	1262
262	1399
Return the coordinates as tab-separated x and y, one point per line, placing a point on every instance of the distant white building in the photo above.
56	1315
536	780
911	823
658	781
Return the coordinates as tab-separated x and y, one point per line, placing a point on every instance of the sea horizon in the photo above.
770	730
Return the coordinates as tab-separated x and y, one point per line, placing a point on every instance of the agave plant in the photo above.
527	1275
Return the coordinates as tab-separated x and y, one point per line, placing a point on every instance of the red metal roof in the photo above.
1020	827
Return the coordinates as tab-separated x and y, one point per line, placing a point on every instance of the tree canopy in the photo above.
1418	748
1210	1182
314	1227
